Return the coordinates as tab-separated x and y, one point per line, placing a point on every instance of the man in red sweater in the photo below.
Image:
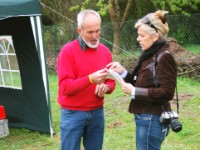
82	83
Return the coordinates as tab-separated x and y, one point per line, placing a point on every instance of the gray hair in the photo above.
82	14
156	24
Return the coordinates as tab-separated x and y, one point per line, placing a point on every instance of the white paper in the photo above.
116	76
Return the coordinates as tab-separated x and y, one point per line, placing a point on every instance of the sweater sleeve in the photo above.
111	83
68	83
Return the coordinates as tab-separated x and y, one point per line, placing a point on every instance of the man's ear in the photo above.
79	31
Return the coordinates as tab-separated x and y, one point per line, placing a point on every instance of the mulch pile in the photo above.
188	63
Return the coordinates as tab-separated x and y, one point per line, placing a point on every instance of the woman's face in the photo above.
145	39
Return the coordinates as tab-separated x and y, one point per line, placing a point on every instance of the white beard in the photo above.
92	45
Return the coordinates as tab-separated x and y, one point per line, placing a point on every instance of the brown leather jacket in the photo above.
150	99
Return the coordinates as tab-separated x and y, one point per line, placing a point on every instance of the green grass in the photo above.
120	127
189	137
193	48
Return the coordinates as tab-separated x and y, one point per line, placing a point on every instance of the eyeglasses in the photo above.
146	20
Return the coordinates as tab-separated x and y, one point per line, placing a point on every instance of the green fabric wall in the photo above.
29	107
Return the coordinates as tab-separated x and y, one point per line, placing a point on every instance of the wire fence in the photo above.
185	29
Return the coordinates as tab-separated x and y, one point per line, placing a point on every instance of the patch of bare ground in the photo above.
115	124
181	98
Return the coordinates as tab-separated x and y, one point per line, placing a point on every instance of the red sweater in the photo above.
73	67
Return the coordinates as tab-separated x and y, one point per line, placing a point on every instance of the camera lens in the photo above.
176	126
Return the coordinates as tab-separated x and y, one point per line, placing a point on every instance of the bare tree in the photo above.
118	21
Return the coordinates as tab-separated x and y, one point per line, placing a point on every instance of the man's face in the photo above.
90	31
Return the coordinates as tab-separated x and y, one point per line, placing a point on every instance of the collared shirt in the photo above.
82	43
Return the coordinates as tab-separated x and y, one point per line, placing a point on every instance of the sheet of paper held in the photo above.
116	76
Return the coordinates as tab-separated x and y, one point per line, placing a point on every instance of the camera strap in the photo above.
156	59
177	103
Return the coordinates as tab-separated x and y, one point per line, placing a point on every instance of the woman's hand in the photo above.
117	67
128	88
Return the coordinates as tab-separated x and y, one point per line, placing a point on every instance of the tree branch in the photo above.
126	12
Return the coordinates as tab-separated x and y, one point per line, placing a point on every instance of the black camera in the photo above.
171	118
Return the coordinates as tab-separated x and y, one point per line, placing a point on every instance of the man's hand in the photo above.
99	76
101	89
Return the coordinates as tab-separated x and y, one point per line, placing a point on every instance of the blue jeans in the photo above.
85	125
150	133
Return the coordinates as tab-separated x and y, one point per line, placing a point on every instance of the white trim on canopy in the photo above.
37	32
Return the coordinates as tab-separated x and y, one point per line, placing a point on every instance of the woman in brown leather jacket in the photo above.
152	83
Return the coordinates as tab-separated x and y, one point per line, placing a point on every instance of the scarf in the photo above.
145	55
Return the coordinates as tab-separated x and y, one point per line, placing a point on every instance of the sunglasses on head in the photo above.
146	21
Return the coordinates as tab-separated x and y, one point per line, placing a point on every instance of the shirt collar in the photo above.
82	43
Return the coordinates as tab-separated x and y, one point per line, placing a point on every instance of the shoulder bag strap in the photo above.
156	59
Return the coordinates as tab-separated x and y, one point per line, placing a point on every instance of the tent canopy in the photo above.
21	36
11	8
